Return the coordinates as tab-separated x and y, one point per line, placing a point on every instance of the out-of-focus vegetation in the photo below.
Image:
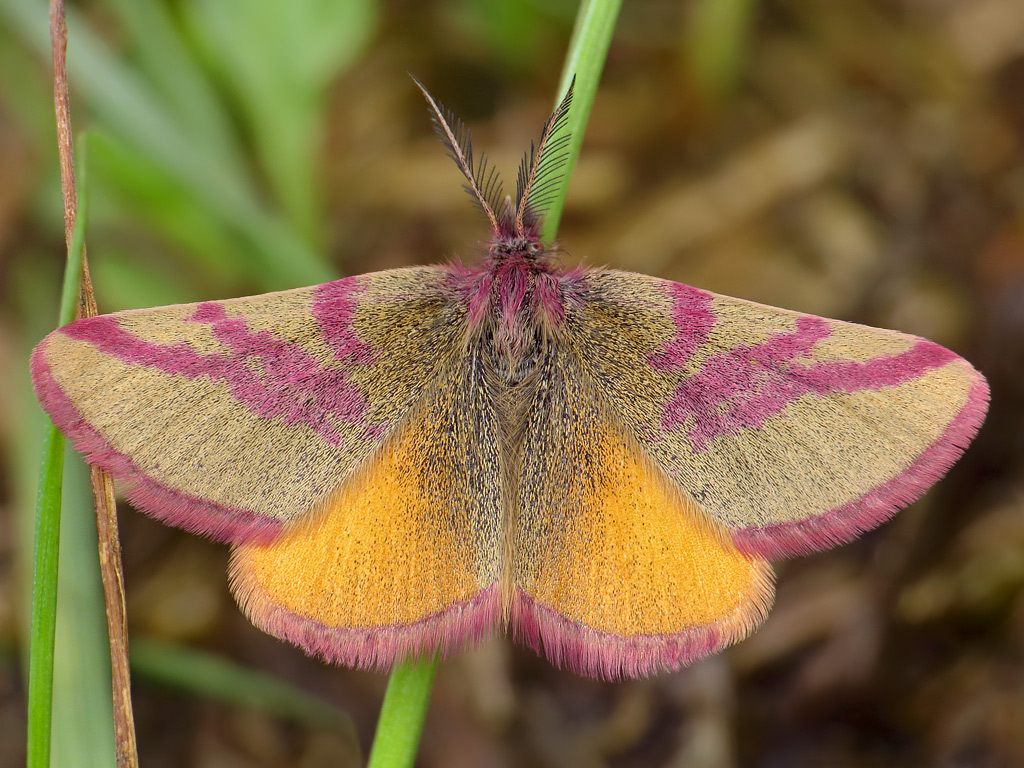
861	160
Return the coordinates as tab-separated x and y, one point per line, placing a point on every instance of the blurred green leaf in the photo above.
515	30
279	59
715	45
127	181
123	283
161	54
223	680
132	110
27	96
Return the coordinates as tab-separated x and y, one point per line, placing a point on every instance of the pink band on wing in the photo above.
275	379
745	386
694	319
334	305
217	521
880	503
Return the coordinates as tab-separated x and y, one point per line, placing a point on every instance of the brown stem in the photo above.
111	570
117	631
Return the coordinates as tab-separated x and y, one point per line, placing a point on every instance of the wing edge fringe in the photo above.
845	523
181	510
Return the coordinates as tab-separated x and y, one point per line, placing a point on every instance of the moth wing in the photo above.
405	558
616	573
234	418
793	431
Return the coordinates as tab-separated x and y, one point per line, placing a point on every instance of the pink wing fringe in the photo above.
845	523
378	648
586	651
566	644
217	521
732	378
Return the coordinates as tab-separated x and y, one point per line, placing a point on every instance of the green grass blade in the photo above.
46	545
588	50
83	716
45	556
402	715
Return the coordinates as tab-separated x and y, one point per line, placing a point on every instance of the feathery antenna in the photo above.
538	171
484	185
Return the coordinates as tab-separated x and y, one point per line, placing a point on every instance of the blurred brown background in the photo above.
859	159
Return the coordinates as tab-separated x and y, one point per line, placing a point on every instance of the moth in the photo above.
598	462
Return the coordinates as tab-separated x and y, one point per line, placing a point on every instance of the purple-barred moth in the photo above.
596	461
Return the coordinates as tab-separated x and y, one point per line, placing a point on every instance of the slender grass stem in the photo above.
402	714
46	546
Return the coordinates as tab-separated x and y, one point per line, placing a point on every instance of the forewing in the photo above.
404	560
616	572
233	418
794	431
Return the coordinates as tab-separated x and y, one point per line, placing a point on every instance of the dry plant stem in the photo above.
112	575
65	153
111	571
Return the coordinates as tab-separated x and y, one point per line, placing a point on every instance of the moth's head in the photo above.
515	222
509	246
516	232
